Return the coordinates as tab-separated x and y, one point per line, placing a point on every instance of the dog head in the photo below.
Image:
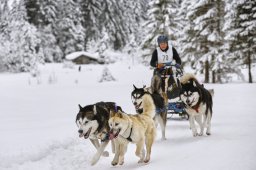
190	93
86	120
136	96
118	123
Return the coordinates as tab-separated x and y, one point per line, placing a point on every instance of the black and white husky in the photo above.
160	113
198	104
92	121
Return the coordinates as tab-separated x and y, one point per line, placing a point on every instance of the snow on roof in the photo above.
74	55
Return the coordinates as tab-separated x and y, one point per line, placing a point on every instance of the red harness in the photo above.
196	107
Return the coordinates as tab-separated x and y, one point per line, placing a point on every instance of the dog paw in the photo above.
95	159
105	154
200	134
93	162
114	163
195	134
208	133
140	161
121	163
146	160
163	138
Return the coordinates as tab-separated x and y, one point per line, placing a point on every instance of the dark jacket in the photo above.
154	59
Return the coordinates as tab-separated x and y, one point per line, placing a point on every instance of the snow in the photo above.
76	54
38	130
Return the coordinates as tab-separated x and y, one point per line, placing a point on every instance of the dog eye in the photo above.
85	122
116	124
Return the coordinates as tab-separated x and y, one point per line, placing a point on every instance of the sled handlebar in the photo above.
177	67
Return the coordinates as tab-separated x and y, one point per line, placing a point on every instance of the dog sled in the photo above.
170	74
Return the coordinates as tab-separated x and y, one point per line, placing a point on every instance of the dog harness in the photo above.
196	107
159	110
129	137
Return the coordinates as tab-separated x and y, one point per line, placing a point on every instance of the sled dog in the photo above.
198	104
92	121
135	128
160	115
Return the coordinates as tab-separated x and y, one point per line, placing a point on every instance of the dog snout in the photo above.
188	101
80	131
135	103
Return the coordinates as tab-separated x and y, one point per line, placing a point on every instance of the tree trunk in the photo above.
219	76
206	75
213	77
249	67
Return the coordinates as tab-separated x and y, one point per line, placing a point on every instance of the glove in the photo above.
177	66
160	65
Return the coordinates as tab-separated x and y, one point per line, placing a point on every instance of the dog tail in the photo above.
211	92
188	77
149	108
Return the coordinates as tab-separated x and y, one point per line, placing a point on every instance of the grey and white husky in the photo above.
160	113
198	104
92	121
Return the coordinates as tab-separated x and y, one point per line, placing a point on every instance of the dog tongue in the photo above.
111	136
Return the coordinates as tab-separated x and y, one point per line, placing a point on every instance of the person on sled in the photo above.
166	55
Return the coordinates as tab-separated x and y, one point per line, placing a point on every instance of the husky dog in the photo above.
160	115
198	104
139	129
92	121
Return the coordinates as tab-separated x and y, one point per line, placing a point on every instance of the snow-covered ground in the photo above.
38	130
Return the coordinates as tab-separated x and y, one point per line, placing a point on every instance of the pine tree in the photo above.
90	13
112	19
162	20
204	34
3	22
106	76
109	22
241	19
21	41
33	12
186	34
68	29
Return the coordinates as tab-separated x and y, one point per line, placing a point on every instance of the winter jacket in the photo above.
154	59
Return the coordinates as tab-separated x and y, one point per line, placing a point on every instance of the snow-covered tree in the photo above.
20	41
204	35
106	76
48	47
241	33
162	16
116	20
4	10
34	14
68	29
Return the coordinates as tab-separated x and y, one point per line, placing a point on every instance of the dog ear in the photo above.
80	107
120	114
94	109
134	87
144	86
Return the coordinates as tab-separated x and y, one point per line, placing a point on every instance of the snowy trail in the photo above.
66	155
34	136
